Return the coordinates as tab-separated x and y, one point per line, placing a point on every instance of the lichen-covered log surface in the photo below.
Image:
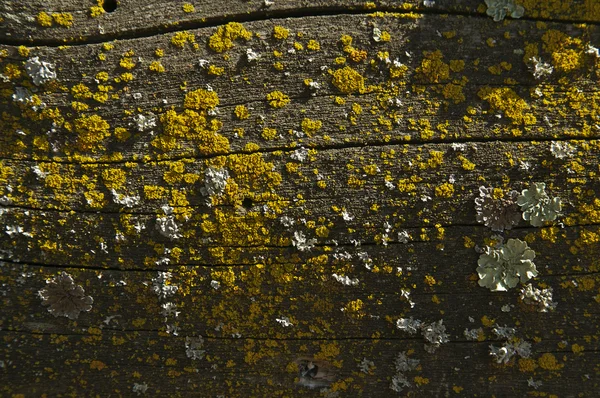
299	198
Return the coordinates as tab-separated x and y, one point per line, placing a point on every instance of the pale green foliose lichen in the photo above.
537	206
501	268
498	9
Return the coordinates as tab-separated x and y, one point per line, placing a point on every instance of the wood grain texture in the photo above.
88	22
412	112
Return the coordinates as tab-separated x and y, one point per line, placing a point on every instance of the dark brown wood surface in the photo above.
350	123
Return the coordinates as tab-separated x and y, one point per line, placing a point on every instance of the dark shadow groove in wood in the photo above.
333	147
263	15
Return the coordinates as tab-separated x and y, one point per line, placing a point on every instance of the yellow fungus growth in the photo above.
43	19
348	81
23	51
215	70
269	133
201	100
81	91
96	11
313	45
180	38
445	190
12	72
432	68
223	38
159	52
127	63
527	365
280	33
187	7
91	131
126	77
63	19
277	99
156	66
102	76
548	362
241	112
310	126
79	106
506	100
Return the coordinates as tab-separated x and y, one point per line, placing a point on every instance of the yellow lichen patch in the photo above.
179	39
269	133
114	178
445	190
187	7
348	80
81	91
201	100
313	45
224	37
566	52
63	19
506	100
432	68
548	362
43	19
241	112
127	63
527	365
91	132
215	70
280	33
277	99
310	126
156	66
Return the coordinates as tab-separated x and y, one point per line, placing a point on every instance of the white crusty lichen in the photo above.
502	267
64	298
541	298
366	365
215	181
140	388
435	334
498	9
39	71
301	243
127	201
345	280
166	225
540	68
193	347
473	334
537	206
145	122
409	325
561	150
496	209
509	349
403	364
162	286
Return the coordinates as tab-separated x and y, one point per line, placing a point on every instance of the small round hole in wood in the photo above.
109	5
247	203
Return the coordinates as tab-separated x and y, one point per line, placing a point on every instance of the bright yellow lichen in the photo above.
179	39
277	99
201	100
224	37
281	33
91	132
348	81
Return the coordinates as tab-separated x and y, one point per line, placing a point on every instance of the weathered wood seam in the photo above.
262	16
374	144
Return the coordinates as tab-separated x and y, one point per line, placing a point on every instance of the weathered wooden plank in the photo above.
96	362
395	146
472	81
60	21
